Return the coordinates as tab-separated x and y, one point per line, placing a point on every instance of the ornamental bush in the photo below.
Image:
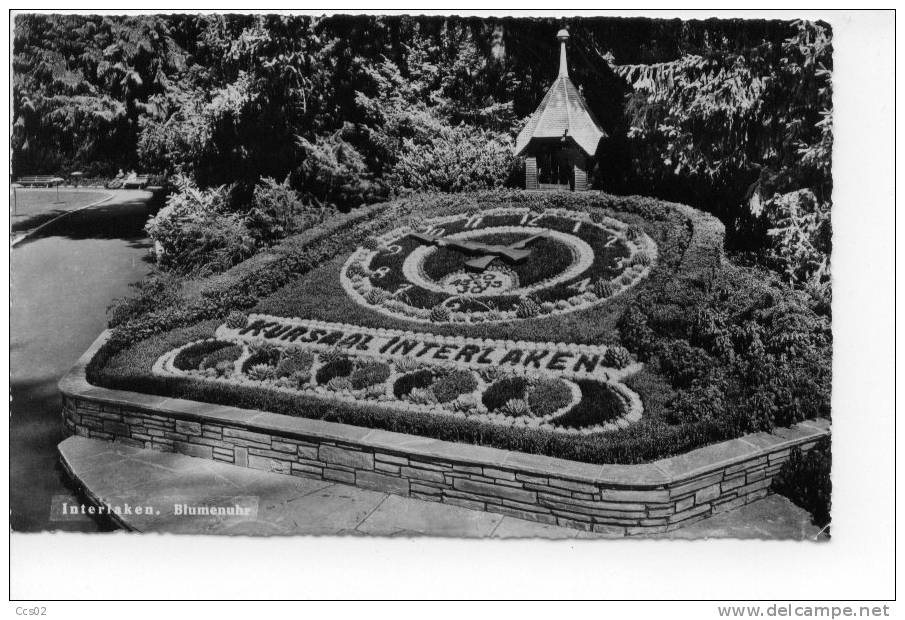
406	383
369	373
341	367
196	233
453	384
294	362
504	390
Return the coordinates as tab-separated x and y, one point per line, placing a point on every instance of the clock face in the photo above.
497	265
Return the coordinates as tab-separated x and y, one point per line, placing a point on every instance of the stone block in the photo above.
688	514
468	469
754	476
538	480
661	512
572	485
117	428
307	452
642	530
464	503
684	504
241	456
264	463
127	441
500	474
733	483
732	504
425	497
422	474
756	495
707	494
745	466
346	477
630	495
175	436
261	439
495	490
187	428
388	468
382	482
190	449
609	530
425	489
575	525
348	458
692	486
754	486
308	471
282	446
391	458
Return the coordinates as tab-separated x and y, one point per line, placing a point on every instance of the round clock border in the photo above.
358	286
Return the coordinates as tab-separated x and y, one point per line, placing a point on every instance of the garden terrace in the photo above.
714	350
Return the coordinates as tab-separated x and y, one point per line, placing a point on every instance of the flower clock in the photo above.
497	265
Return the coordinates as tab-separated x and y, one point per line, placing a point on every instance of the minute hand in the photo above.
474	247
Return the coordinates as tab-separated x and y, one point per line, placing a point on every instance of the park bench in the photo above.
39	180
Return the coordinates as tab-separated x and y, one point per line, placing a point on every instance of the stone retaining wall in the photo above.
614	499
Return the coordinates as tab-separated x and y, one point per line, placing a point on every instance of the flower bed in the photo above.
689	399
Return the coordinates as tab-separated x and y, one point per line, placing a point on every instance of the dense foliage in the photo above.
753	124
730	116
805	479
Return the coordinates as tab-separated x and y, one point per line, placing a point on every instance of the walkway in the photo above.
162	483
62	280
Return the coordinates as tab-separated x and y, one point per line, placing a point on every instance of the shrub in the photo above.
617	357
515	408
634	331
276	211
422	396
699	403
406	383
341	367
453	384
641	258
226	354
547	396
339	384
369	373
504	390
195	233
294	362
236	320
683	363
156	291
260	372
266	354
805	479
190	357
527	308
440	314
603	288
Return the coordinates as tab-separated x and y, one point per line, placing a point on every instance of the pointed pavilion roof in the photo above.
562	113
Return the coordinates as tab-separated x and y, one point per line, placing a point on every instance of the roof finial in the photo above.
563	36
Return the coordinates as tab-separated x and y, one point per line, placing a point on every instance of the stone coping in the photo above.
664	472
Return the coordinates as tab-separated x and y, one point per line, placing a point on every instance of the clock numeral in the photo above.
576	228
393	249
609	242
581	286
474	221
380	272
534	221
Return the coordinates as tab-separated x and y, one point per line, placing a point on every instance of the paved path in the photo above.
38	207
62	280
126	477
